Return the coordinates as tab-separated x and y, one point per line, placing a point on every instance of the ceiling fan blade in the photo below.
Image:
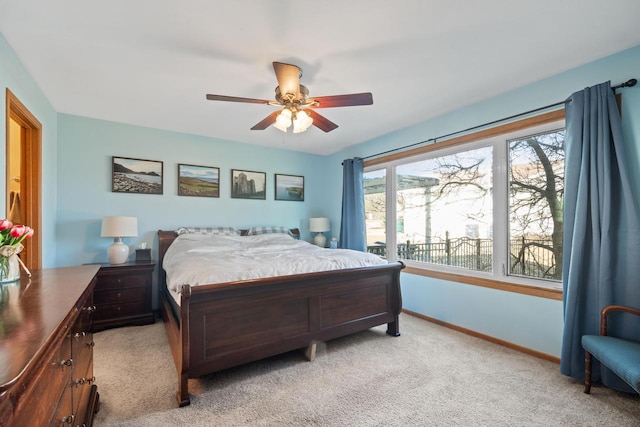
236	99
267	121
288	79
321	122
365	98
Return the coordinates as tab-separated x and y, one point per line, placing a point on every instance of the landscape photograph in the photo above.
136	176
199	181
289	187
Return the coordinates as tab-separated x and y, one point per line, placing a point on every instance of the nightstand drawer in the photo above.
118	281
120	295
111	311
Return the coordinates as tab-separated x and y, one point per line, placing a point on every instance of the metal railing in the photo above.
528	257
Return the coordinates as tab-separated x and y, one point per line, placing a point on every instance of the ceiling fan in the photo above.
298	110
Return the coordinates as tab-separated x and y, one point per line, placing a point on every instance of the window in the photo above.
536	194
375	208
447	204
488	206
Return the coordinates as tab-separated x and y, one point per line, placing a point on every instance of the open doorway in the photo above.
23	175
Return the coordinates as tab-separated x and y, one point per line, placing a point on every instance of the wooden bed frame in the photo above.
228	324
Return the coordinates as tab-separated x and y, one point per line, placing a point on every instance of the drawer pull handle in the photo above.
80	381
91	380
90	344
119	295
68	420
68	362
79	335
119	280
90	309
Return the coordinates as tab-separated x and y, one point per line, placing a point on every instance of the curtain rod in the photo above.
628	83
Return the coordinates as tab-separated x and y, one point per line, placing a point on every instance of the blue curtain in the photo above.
601	246
352	228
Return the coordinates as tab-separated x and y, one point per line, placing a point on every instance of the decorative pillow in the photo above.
220	231
255	231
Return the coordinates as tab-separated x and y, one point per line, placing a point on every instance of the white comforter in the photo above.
196	259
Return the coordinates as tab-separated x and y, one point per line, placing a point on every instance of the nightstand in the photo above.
122	295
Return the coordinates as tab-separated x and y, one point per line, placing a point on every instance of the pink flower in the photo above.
18	230
5	224
13	235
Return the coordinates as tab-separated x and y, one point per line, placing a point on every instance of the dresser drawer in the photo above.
82	353
64	415
110	311
108	281
116	296
47	392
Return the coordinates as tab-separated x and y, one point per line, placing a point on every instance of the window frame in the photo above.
497	138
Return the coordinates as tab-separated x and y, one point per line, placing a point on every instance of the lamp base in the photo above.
118	252
320	240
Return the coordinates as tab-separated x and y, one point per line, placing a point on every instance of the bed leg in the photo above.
310	352
183	391
393	328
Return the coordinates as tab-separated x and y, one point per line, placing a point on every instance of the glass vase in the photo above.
9	269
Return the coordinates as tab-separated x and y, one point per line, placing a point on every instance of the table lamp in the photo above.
319	225
119	227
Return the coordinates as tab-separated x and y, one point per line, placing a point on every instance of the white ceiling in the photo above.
151	62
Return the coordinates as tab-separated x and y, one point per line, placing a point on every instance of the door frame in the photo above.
31	183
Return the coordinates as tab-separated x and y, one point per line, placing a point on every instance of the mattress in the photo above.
196	259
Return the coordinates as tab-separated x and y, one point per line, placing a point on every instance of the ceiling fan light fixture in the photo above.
283	121
301	122
292	98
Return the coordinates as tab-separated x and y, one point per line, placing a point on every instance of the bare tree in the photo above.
537	195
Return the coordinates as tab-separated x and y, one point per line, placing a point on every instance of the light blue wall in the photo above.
85	151
15	77
528	321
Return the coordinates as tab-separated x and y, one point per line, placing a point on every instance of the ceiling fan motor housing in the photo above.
290	98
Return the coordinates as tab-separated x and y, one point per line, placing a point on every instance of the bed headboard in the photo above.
165	238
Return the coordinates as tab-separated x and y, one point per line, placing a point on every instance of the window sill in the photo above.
536	291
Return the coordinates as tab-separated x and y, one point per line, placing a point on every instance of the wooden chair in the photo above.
619	355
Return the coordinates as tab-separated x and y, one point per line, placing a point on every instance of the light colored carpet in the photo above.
430	376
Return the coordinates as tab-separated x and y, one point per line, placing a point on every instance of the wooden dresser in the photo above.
122	295
46	349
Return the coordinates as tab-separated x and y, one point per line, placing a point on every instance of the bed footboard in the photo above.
227	325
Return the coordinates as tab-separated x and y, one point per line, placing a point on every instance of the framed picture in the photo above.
136	176
289	187
248	184
200	181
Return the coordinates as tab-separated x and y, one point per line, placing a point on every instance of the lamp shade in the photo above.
119	226
319	224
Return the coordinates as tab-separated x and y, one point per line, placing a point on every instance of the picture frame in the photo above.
129	175
289	187
248	184
198	181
